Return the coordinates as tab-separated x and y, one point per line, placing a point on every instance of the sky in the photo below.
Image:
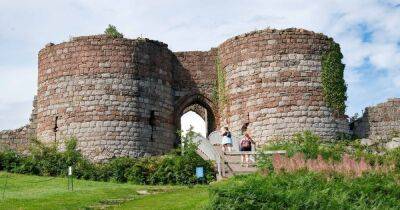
191	119
367	30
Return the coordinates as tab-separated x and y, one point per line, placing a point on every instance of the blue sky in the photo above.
368	32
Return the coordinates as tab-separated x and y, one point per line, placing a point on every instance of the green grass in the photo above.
34	192
195	198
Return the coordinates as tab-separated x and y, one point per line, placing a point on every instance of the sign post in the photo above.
200	173
70	179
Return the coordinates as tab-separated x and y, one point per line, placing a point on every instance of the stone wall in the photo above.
274	84
380	122
195	73
194	83
18	139
196	108
113	95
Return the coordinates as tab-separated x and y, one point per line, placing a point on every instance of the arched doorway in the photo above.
192	120
198	104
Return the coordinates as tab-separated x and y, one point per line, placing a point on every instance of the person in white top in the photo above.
226	139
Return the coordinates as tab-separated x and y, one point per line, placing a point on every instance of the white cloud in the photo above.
199	25
17	84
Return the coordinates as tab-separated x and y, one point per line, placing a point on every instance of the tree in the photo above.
113	32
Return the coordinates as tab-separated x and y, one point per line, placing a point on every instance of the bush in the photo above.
113	32
142	170
178	167
118	168
306	190
393	156
9	160
84	169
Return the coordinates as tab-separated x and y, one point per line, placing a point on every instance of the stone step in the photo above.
239	163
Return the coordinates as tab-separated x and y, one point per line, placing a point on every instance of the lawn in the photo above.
34	192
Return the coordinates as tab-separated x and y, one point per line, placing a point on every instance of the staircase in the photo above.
227	163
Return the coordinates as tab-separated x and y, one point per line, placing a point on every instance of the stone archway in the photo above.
196	99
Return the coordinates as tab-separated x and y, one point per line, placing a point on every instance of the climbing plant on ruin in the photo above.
334	86
219	91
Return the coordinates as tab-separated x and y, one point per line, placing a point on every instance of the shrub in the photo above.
113	32
393	156
118	168
84	169
9	160
143	168
306	190
178	167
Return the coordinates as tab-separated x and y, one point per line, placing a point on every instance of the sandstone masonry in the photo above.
380	122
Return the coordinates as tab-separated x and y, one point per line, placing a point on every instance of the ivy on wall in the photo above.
334	86
219	91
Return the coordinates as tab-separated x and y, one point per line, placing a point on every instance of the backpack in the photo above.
245	143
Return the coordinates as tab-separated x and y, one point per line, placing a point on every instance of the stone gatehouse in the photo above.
125	97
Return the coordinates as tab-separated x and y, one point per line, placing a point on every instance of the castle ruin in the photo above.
125	97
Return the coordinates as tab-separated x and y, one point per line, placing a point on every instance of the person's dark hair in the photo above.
226	128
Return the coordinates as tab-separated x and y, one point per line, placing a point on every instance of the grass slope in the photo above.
34	192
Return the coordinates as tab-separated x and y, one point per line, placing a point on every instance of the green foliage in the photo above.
307	143
119	167
47	160
113	32
334	86
178	167
9	160
311	146
394	134
219	94
394	157
306	190
143	169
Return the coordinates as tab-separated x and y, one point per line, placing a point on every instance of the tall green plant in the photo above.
334	86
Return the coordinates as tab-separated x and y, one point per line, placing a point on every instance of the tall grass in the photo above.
307	190
306	151
347	165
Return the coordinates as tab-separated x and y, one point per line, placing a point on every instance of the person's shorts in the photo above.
245	149
226	140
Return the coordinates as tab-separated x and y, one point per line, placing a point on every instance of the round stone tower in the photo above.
273	84
113	95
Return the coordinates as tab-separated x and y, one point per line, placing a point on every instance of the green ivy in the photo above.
219	91
334	86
